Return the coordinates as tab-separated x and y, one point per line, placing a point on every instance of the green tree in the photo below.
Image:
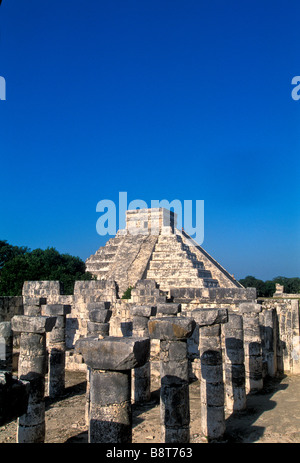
267	288
8	252
291	285
40	264
252	282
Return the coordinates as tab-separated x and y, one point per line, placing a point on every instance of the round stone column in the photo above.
173	333
252	346
6	347
211	377
110	361
57	349
32	368
141	377
235	391
98	327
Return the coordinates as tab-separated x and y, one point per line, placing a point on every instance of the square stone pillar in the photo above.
211	376
141	376
110	361
252	346
57	349
97	326
32	368
235	391
173	333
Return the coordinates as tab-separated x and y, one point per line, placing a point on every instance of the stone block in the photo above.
168	309
171	328
205	317
143	311
249	307
27	324
109	388
114	353
55	310
100	316
101	329
98	306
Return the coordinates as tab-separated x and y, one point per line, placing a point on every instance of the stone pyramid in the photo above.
151	247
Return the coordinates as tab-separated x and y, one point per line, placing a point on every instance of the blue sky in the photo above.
160	99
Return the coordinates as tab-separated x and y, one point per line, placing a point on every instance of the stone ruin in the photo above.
187	319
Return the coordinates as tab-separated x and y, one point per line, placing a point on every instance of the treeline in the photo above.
19	264
268	288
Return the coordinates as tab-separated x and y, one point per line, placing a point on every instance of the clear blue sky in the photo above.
162	99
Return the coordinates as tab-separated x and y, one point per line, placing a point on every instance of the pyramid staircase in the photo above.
173	264
124	259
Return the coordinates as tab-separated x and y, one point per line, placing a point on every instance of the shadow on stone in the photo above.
140	408
76	389
240	426
81	438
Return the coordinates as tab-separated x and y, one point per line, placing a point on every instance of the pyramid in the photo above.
151	247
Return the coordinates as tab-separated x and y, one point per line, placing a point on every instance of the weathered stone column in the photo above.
252	346
168	309
32	368
57	349
268	322
98	327
110	361
174	392
33	305
211	377
140	386
235	391
13	393
295	334
6	347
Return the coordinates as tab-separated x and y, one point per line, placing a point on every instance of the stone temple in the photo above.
151	247
186	319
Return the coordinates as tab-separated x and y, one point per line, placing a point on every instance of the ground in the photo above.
272	416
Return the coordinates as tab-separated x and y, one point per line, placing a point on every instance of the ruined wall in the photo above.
10	306
288	327
191	298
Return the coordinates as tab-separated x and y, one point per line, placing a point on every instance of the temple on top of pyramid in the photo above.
151	247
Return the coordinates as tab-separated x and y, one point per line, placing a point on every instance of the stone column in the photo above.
174	392
268	318
141	377
13	393
33	305
98	327
295	333
110	361
168	309
32	368
211	376
235	391
57	349
252	346
6	347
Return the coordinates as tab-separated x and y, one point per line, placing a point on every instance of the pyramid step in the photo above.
210	283
175	256
115	241
169	238
204	273
177	273
168	247
157	264
180	283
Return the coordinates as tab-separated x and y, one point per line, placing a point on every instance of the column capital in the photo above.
171	328
114	353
